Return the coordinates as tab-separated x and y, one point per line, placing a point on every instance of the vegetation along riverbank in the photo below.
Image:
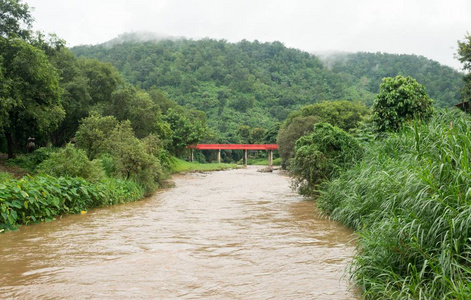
406	193
373	138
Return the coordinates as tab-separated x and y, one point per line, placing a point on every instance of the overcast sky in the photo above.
423	27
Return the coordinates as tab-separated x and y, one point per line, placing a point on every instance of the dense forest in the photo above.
366	70
258	84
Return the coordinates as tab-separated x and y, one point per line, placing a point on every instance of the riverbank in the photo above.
27	199
410	201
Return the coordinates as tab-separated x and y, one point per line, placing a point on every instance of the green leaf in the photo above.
16	204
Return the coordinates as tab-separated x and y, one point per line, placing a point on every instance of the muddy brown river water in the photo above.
236	234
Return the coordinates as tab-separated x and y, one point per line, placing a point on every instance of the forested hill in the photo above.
366	70
258	84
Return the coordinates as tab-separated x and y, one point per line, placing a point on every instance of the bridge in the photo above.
245	147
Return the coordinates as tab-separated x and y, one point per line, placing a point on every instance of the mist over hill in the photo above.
366	70
259	84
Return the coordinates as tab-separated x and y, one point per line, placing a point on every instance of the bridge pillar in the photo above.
245	157
270	158
219	156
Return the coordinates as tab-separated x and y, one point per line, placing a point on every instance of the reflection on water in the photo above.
236	234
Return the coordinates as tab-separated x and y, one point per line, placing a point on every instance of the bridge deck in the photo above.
236	147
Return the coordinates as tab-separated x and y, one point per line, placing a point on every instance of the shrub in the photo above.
288	136
123	154
31	161
71	162
346	115
5	176
321	156
93	134
108	164
400	99
132	161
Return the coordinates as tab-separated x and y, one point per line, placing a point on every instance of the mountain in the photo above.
259	84
365	71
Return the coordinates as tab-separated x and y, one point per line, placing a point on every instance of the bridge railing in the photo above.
245	147
236	146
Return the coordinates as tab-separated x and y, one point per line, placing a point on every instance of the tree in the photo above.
256	135
185	132
161	100
244	134
399	100
321	156
93	134
464	52
30	93
270	135
129	103
288	136
133	159
29	88
14	15
344	114
76	98
103	79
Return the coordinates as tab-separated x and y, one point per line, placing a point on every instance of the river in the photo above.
237	234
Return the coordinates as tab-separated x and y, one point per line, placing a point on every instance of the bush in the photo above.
321	156
410	200
288	136
5	176
123	154
31	161
346	115
71	162
132	159
93	133
108	164
400	99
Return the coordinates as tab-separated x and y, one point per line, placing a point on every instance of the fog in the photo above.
423	27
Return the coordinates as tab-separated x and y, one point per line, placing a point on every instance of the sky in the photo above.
430	28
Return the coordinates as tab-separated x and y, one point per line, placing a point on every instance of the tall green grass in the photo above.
410	202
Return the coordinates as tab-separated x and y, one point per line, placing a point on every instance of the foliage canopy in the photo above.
346	115
321	156
399	100
464	56
258	84
30	93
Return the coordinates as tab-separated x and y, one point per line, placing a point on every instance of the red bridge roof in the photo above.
236	146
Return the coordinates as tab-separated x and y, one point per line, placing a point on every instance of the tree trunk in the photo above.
9	145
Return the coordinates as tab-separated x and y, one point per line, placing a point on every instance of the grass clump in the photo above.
263	161
410	201
178	165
